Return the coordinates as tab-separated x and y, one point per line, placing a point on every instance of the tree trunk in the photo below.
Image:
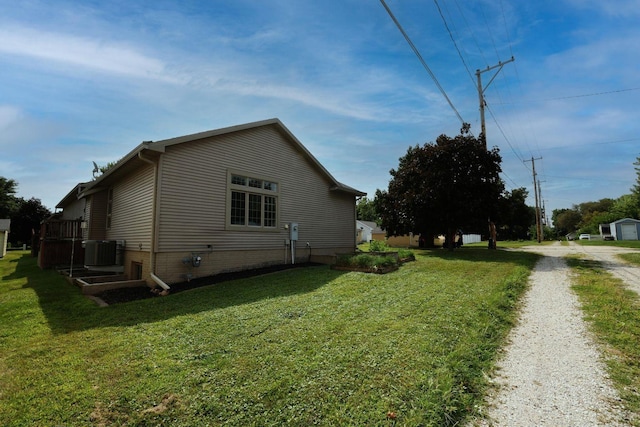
451	238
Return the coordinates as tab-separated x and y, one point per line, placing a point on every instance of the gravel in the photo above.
551	373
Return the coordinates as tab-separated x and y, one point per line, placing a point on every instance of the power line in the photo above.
454	41
585	95
503	134
422	61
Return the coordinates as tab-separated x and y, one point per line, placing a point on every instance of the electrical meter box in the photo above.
293	231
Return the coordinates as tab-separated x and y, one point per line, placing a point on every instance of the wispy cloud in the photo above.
99	55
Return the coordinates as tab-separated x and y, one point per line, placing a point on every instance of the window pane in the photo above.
269	211
255	209
255	183
238	180
237	208
271	186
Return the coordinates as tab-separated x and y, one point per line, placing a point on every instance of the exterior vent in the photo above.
100	252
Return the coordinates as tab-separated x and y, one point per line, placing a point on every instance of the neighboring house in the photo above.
367	231
228	199
625	229
61	235
5	227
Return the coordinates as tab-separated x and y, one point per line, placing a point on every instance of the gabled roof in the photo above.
72	195
372	225
159	147
625	220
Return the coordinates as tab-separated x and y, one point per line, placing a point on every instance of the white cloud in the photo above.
90	53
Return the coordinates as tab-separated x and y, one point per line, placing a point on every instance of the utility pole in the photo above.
535	191
543	211
481	90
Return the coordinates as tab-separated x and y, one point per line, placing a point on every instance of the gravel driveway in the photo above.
551	373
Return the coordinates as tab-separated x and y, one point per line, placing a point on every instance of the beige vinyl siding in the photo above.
96	210
194	190
132	210
74	210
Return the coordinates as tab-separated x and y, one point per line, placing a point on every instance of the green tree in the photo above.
26	220
441	187
625	207
514	215
566	220
635	190
8	200
594	214
366	210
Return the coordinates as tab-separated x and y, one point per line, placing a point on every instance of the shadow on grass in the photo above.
477	254
67	310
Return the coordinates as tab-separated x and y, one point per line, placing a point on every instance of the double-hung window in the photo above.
252	202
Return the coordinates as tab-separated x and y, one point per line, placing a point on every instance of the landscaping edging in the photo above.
375	270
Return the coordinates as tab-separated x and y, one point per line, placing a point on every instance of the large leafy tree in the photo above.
25	215
441	187
514	215
8	200
566	220
27	220
366	210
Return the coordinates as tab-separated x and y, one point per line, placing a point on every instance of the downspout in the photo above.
152	251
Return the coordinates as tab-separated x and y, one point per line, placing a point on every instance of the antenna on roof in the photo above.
96	170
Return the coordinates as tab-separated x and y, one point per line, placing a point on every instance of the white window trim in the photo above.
255	191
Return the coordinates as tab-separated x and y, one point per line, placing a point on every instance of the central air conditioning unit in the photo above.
100	252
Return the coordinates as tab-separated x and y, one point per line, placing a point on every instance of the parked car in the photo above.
585	237
608	237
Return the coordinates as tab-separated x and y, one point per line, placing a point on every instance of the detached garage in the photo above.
626	229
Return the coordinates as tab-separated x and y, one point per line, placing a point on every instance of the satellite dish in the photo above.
96	169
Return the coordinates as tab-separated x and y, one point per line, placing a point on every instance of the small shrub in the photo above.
365	261
378	246
405	254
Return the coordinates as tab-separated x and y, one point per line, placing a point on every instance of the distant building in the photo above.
5	226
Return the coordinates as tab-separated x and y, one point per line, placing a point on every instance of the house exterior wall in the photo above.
192	205
133	256
96	216
74	210
132	209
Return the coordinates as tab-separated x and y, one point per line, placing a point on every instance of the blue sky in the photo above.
85	81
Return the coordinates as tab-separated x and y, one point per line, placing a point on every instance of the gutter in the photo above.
154	210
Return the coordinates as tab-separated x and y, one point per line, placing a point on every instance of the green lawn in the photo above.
633	258
619	243
302	347
613	312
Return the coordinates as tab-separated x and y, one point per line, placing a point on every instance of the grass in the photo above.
301	347
613	312
633	258
619	243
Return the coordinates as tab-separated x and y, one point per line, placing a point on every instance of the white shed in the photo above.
626	229
365	230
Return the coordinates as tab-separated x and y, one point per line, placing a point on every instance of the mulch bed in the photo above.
116	296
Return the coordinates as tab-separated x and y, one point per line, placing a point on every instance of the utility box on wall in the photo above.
293	231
